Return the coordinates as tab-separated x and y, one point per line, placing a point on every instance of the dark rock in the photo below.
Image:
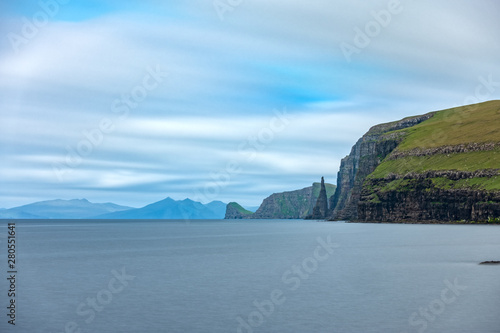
320	210
420	200
493	262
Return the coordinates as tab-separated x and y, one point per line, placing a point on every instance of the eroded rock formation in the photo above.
320	210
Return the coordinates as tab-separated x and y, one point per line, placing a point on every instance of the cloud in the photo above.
226	80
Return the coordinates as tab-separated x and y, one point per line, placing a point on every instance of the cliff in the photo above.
286	205
235	211
442	166
365	156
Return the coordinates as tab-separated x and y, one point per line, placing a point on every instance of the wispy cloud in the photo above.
225	79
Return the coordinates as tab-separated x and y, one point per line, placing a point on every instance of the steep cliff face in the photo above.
365	156
285	205
292	205
431	196
442	166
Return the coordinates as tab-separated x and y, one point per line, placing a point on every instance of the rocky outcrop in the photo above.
320	210
365	156
285	205
448	174
236	211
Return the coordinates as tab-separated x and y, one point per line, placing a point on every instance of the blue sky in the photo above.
225	102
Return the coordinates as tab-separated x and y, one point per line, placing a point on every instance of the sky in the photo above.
134	101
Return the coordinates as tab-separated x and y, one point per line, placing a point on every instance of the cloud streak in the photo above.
225	81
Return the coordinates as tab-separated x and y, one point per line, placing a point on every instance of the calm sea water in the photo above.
252	276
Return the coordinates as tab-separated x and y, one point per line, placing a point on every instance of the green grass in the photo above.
488	184
474	123
442	183
480	183
477	123
396	184
239	208
472	161
373	198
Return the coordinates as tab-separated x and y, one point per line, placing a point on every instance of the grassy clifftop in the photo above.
462	139
478	123
444	168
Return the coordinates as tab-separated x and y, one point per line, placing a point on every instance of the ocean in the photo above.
250	276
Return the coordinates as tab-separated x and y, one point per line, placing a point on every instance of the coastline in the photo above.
426	222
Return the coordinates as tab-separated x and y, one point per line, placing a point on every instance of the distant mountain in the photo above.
285	205
172	209
218	207
60	209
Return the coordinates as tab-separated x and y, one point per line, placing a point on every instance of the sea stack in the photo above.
320	210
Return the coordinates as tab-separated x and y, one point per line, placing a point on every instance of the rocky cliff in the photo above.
365	156
431	196
286	205
442	166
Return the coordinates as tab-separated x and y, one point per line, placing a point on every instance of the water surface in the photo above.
223	276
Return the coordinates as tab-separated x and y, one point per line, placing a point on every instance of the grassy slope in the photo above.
476	123
239	208
472	161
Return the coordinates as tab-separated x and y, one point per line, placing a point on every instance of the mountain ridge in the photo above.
169	208
61	209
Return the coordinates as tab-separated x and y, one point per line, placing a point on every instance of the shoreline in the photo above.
426	222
